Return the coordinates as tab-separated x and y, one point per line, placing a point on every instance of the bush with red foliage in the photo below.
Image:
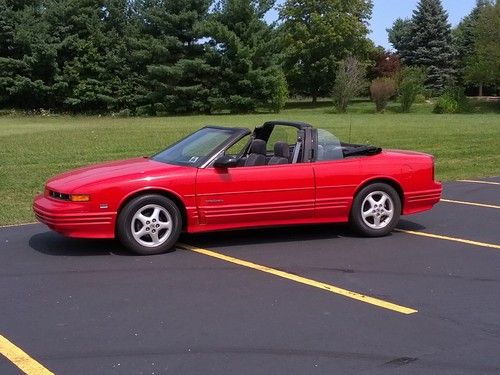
382	90
387	64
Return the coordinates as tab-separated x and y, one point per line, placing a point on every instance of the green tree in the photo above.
400	36
65	54
431	44
483	66
11	52
426	41
464	36
78	37
169	48
319	34
27	63
244	50
124	78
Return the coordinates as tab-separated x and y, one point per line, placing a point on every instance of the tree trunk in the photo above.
315	98
480	90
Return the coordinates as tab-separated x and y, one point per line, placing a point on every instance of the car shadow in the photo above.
409	225
267	235
51	243
281	234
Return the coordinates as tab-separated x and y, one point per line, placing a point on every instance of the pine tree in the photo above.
65	55
400	36
431	44
124	79
169	48
77	35
10	55
27	63
244	51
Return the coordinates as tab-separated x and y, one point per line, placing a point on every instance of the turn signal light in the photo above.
80	197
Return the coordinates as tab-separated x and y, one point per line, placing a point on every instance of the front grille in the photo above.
57	195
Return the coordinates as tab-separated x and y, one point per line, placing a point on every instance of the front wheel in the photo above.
376	210
149	224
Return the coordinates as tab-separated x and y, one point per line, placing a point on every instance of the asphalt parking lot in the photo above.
263	301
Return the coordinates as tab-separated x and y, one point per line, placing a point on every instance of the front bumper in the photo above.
74	219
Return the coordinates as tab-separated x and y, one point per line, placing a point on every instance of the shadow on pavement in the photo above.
268	235
409	225
51	243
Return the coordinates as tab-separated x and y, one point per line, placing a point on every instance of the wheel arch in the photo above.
158	191
385	180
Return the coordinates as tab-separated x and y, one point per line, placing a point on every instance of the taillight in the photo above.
433	169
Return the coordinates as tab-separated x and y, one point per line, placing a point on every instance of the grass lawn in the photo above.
35	148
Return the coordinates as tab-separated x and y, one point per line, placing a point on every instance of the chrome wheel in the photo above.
377	210
151	225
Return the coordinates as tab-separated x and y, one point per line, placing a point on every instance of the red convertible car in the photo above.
219	178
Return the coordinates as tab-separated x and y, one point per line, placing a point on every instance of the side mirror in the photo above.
225	162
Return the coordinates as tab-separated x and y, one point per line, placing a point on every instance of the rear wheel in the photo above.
376	210
149	224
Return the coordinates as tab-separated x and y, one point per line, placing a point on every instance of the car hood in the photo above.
138	168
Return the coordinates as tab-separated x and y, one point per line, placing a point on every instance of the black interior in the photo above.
281	154
257	153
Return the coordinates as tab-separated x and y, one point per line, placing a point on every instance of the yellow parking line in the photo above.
18	225
303	280
470	203
481	182
454	239
22	360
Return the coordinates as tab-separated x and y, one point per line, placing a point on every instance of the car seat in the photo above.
257	155
281	154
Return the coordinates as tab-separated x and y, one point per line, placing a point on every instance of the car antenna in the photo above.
350	127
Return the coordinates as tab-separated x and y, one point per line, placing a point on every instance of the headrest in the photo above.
281	149
258	146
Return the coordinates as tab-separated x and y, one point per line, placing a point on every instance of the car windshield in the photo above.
196	148
329	147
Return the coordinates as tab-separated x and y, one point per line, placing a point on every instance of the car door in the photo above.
336	178
255	196
336	183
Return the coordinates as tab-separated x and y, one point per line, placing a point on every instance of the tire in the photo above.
376	210
149	224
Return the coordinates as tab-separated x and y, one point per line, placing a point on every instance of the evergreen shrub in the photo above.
279	93
420	98
144	110
453	101
124	113
411	84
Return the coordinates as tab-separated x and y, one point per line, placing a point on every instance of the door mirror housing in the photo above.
225	162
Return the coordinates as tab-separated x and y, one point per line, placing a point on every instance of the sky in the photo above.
386	11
